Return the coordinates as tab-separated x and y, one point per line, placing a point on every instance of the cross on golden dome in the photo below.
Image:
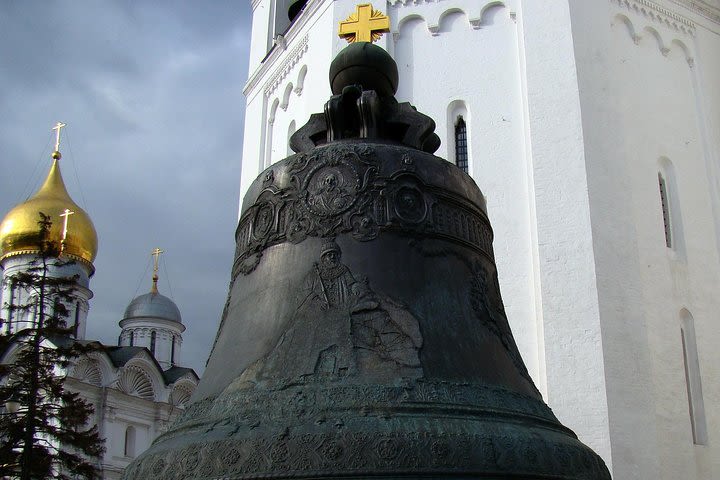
364	25
66	214
58	126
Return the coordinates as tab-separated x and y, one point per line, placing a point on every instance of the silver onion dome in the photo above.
154	305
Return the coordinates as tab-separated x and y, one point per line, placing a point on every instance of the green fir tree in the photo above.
48	436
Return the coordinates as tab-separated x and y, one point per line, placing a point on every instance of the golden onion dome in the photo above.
19	230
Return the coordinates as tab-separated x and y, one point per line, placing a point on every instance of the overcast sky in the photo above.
151	92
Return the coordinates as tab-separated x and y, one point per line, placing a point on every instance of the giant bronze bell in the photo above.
364	334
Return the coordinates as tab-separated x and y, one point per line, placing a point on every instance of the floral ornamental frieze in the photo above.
287	65
266	413
305	403
339	189
280	456
703	7
657	14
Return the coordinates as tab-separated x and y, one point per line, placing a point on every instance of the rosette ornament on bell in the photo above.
364	333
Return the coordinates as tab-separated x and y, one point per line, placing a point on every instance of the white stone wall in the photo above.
120	404
115	411
290	85
573	108
438	37
77	310
647	110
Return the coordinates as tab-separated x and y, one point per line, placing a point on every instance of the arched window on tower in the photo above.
11	311
132	338
152	342
32	318
77	319
172	351
283	14
461	149
693	384
129	441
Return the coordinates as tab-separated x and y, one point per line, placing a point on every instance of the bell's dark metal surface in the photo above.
364	332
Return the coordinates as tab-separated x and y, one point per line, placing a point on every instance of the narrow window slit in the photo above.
461	149
152	342
665	210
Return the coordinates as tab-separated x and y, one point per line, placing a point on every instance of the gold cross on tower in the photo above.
364	25
66	214
155	253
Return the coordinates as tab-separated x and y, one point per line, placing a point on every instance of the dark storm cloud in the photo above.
42	39
152	95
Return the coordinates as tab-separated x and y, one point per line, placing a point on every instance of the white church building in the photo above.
593	129
137	387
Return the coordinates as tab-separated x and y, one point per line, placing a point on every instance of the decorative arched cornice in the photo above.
148	364
181	392
682	46
658	36
652	31
11	352
287	65
135	381
139	323
87	370
486	9
14	346
103	362
476	14
443	17
413	17
630	27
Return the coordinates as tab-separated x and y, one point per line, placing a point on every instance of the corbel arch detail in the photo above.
406	22
476	15
300	83
286	96
487	14
447	17
273	111
650	31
